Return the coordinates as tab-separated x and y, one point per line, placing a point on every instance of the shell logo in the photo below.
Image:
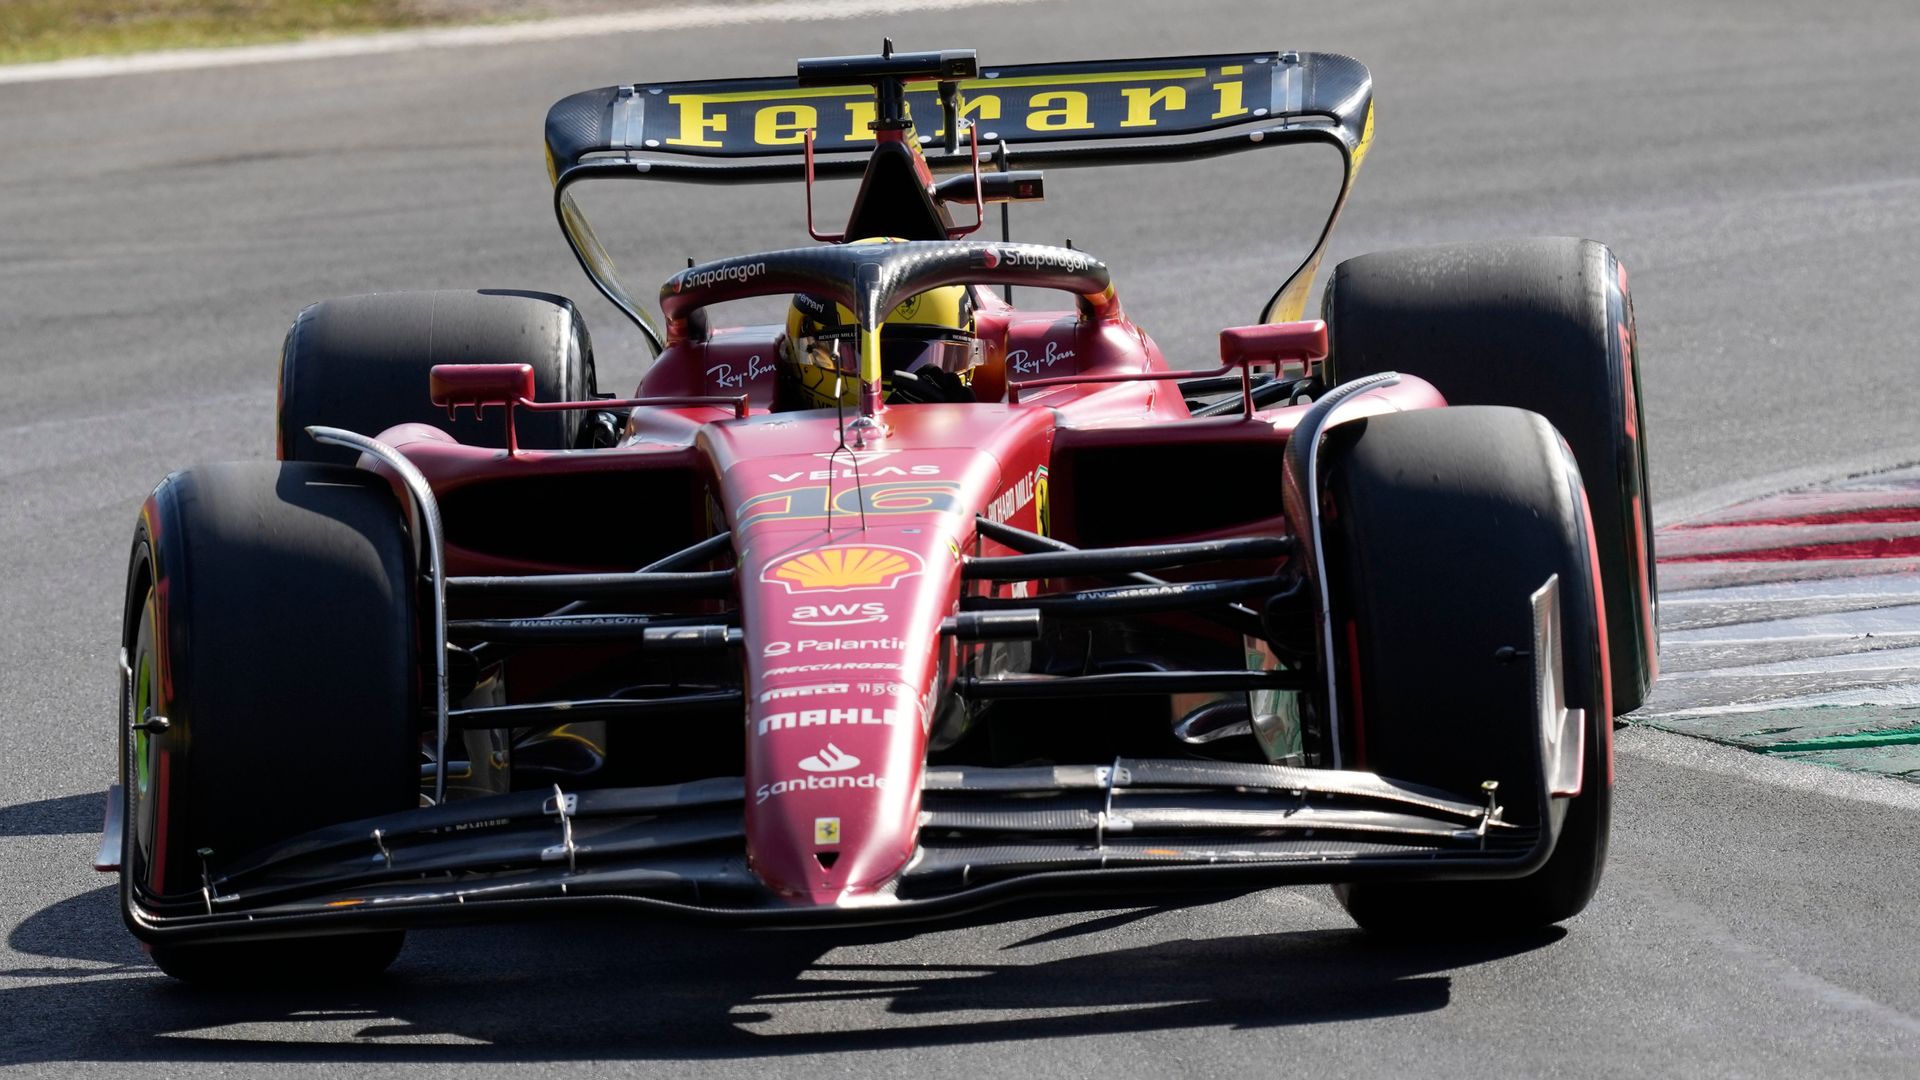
843	569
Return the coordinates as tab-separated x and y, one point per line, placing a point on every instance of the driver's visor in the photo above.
899	351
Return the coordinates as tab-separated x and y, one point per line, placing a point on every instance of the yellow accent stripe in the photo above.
1293	302
871	372
1365	144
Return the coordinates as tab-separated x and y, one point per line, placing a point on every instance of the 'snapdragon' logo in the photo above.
730	272
1042	258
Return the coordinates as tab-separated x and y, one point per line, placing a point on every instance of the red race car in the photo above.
921	601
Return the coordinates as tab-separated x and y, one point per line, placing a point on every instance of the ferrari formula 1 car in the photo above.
921	601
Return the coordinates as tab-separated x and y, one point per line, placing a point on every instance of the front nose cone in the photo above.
837	821
842	639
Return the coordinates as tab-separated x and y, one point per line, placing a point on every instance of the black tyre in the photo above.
1543	324
361	363
1443	524
271	622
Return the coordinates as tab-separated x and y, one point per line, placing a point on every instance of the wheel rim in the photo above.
144	773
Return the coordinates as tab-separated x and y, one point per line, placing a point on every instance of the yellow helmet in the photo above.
927	349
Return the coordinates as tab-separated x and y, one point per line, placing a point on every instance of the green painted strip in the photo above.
1900	762
1856	741
1766	728
1874	739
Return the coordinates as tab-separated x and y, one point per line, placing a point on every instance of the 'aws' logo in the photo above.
838	614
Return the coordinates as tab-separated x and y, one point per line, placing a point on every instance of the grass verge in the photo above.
32	30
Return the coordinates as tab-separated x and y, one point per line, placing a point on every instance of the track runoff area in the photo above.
1790	625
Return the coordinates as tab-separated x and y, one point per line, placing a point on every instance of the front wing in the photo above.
988	835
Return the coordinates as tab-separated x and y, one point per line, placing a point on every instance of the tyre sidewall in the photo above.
1436	705
265	739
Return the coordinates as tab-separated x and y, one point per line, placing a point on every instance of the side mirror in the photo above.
480	385
1274	343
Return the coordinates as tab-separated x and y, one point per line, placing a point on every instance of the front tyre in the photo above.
271	631
1441	526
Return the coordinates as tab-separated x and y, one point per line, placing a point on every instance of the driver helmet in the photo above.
927	349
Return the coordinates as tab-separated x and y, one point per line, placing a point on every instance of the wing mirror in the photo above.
511	386
479	385
1241	347
1274	343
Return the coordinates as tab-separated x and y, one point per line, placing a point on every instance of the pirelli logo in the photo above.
1022	105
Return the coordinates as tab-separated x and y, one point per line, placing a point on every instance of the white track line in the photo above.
454	37
1893	695
1864	587
1901	619
1899	662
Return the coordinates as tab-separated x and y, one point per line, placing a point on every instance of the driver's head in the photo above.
927	349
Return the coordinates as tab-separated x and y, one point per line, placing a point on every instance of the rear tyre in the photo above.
361	363
1442	524
1543	324
271	622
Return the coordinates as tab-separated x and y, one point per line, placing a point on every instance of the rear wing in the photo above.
1081	113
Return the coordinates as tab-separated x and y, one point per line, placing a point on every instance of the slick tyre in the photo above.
271	634
361	363
1442	525
1543	324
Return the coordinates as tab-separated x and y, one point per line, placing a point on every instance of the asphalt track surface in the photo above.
1753	163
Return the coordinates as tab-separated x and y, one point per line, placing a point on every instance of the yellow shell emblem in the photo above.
841	569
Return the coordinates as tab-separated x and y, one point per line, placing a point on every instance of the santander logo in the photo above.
832	759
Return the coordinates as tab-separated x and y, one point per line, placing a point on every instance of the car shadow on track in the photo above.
66	815
606	989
